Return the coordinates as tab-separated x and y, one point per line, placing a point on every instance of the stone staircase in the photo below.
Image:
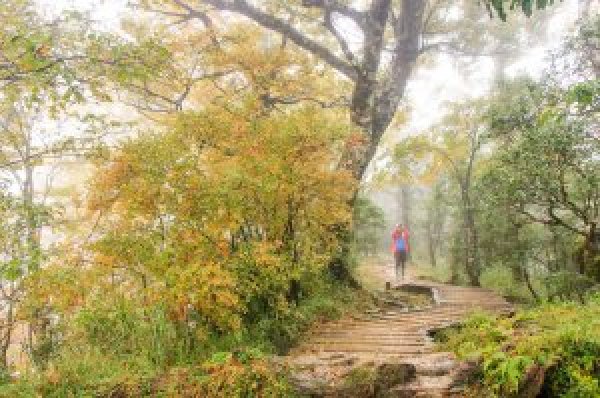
393	336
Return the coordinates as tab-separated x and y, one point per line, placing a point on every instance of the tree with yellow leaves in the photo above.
224	218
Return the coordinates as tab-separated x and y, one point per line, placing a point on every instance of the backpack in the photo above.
400	245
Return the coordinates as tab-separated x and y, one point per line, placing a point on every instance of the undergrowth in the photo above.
562	339
129	351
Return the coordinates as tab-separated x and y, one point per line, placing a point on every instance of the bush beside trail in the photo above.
552	350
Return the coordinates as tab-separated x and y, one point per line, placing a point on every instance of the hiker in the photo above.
400	247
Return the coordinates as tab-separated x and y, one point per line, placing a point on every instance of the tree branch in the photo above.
279	25
552	220
328	22
337	7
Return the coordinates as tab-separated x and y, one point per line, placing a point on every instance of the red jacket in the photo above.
397	234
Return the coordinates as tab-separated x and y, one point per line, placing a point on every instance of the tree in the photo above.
25	212
369	224
39	58
435	221
547	170
45	66
195	69
499	7
452	147
223	219
378	68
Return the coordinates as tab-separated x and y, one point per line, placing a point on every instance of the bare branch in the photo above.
328	22
552	220
271	100
340	8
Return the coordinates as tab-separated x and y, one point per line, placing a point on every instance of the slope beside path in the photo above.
391	347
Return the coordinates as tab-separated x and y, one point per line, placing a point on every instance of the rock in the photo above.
304	365
358	382
467	372
308	384
533	382
332	357
388	375
437	364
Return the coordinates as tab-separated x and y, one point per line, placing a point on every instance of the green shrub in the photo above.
562	338
568	286
86	372
577	372
124	329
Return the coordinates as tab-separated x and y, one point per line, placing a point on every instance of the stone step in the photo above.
428	383
436	364
415	328
371	333
478	301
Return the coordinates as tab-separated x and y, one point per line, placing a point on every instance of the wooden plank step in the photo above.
380	343
351	349
364	334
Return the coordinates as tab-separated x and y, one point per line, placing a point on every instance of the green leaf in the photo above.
12	270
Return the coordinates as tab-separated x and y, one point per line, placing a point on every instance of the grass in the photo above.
440	273
501	279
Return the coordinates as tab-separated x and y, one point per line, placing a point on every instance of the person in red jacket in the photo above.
400	248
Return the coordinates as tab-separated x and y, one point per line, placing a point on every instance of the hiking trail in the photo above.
394	341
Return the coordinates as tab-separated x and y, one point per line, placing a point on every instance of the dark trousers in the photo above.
400	257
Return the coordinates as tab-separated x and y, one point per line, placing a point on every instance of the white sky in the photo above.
429	89
106	12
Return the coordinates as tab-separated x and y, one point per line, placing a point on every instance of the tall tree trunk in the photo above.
431	244
556	252
375	101
523	273
471	239
8	331
406	206
31	256
455	262
430	225
589	259
473	263
529	285
517	267
31	225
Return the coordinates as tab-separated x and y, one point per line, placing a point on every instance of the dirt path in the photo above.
394	334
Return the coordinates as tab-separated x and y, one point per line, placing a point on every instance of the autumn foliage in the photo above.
225	217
